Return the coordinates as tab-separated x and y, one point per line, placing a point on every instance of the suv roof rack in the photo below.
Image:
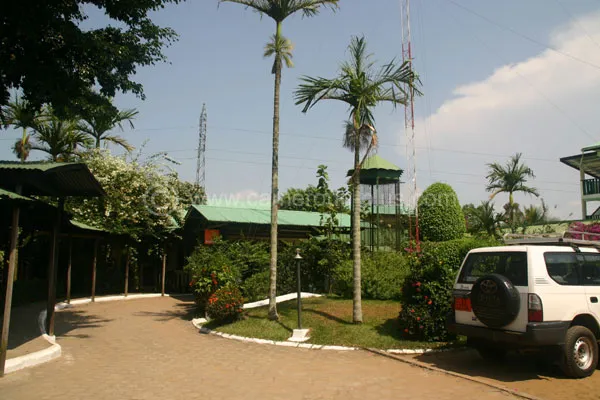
568	238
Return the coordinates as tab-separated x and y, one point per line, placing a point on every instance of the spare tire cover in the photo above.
495	300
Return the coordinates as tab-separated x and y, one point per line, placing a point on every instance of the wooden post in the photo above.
14	235
69	268
164	270
94	264
52	270
127	259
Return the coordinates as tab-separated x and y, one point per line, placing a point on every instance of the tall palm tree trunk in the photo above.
356	297
23	139
274	189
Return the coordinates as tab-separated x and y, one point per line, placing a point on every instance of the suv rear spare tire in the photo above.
579	353
495	300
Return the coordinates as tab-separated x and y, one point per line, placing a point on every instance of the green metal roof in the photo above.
377	162
376	169
86	227
263	217
595	146
49	179
6	194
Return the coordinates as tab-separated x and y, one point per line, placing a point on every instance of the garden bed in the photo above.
330	321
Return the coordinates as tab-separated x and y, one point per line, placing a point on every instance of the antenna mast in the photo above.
409	126
201	160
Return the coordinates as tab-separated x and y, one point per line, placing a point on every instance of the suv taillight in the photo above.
535	309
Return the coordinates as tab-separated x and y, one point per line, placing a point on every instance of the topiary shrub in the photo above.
440	216
427	291
225	304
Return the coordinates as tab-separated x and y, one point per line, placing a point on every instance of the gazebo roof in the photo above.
49	179
376	169
588	160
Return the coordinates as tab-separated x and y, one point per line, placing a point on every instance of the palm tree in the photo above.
59	138
510	178
20	114
281	49
484	218
101	121
361	87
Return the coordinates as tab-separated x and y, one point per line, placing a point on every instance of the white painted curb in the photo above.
198	322
55	351
281	298
33	359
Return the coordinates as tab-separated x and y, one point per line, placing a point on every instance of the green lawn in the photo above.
330	321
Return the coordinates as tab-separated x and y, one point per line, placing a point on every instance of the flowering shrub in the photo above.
225	304
427	292
589	229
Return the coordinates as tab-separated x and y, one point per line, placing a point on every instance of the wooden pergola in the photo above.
57	180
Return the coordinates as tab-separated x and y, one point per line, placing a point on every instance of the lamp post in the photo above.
298	259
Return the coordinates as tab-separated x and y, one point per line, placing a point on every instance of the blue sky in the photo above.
218	61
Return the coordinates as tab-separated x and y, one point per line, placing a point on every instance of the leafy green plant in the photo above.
427	291
210	270
256	287
225	304
383	274
440	215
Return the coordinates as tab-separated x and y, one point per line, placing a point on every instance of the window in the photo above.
512	265
591	270
563	268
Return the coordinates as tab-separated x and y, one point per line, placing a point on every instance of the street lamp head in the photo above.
298	256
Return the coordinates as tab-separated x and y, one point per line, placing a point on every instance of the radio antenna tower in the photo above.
409	127
201	161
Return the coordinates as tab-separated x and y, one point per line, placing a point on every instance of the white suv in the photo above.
543	295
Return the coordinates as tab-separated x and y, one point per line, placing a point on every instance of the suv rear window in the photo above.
511	264
573	269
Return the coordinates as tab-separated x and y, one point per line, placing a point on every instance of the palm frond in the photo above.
279	10
351	134
282	49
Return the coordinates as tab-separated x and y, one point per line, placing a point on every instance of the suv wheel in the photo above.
579	353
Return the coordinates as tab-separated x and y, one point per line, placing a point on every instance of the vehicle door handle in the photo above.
594	299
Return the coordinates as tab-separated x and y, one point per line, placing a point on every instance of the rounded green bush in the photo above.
225	304
440	216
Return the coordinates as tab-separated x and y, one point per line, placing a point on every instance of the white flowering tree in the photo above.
142	199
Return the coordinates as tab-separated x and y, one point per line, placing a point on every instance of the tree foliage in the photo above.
440	215
510	178
141	199
483	219
52	59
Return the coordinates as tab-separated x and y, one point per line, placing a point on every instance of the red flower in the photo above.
418	318
418	284
421	327
412	311
429	302
406	330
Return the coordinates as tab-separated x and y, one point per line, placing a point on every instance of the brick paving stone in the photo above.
148	349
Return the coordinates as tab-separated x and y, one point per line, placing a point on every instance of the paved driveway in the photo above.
148	349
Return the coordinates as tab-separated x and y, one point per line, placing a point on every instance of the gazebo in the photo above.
380	186
18	181
587	163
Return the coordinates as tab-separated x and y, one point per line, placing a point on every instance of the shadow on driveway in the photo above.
517	367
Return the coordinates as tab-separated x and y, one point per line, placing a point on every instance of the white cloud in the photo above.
545	107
